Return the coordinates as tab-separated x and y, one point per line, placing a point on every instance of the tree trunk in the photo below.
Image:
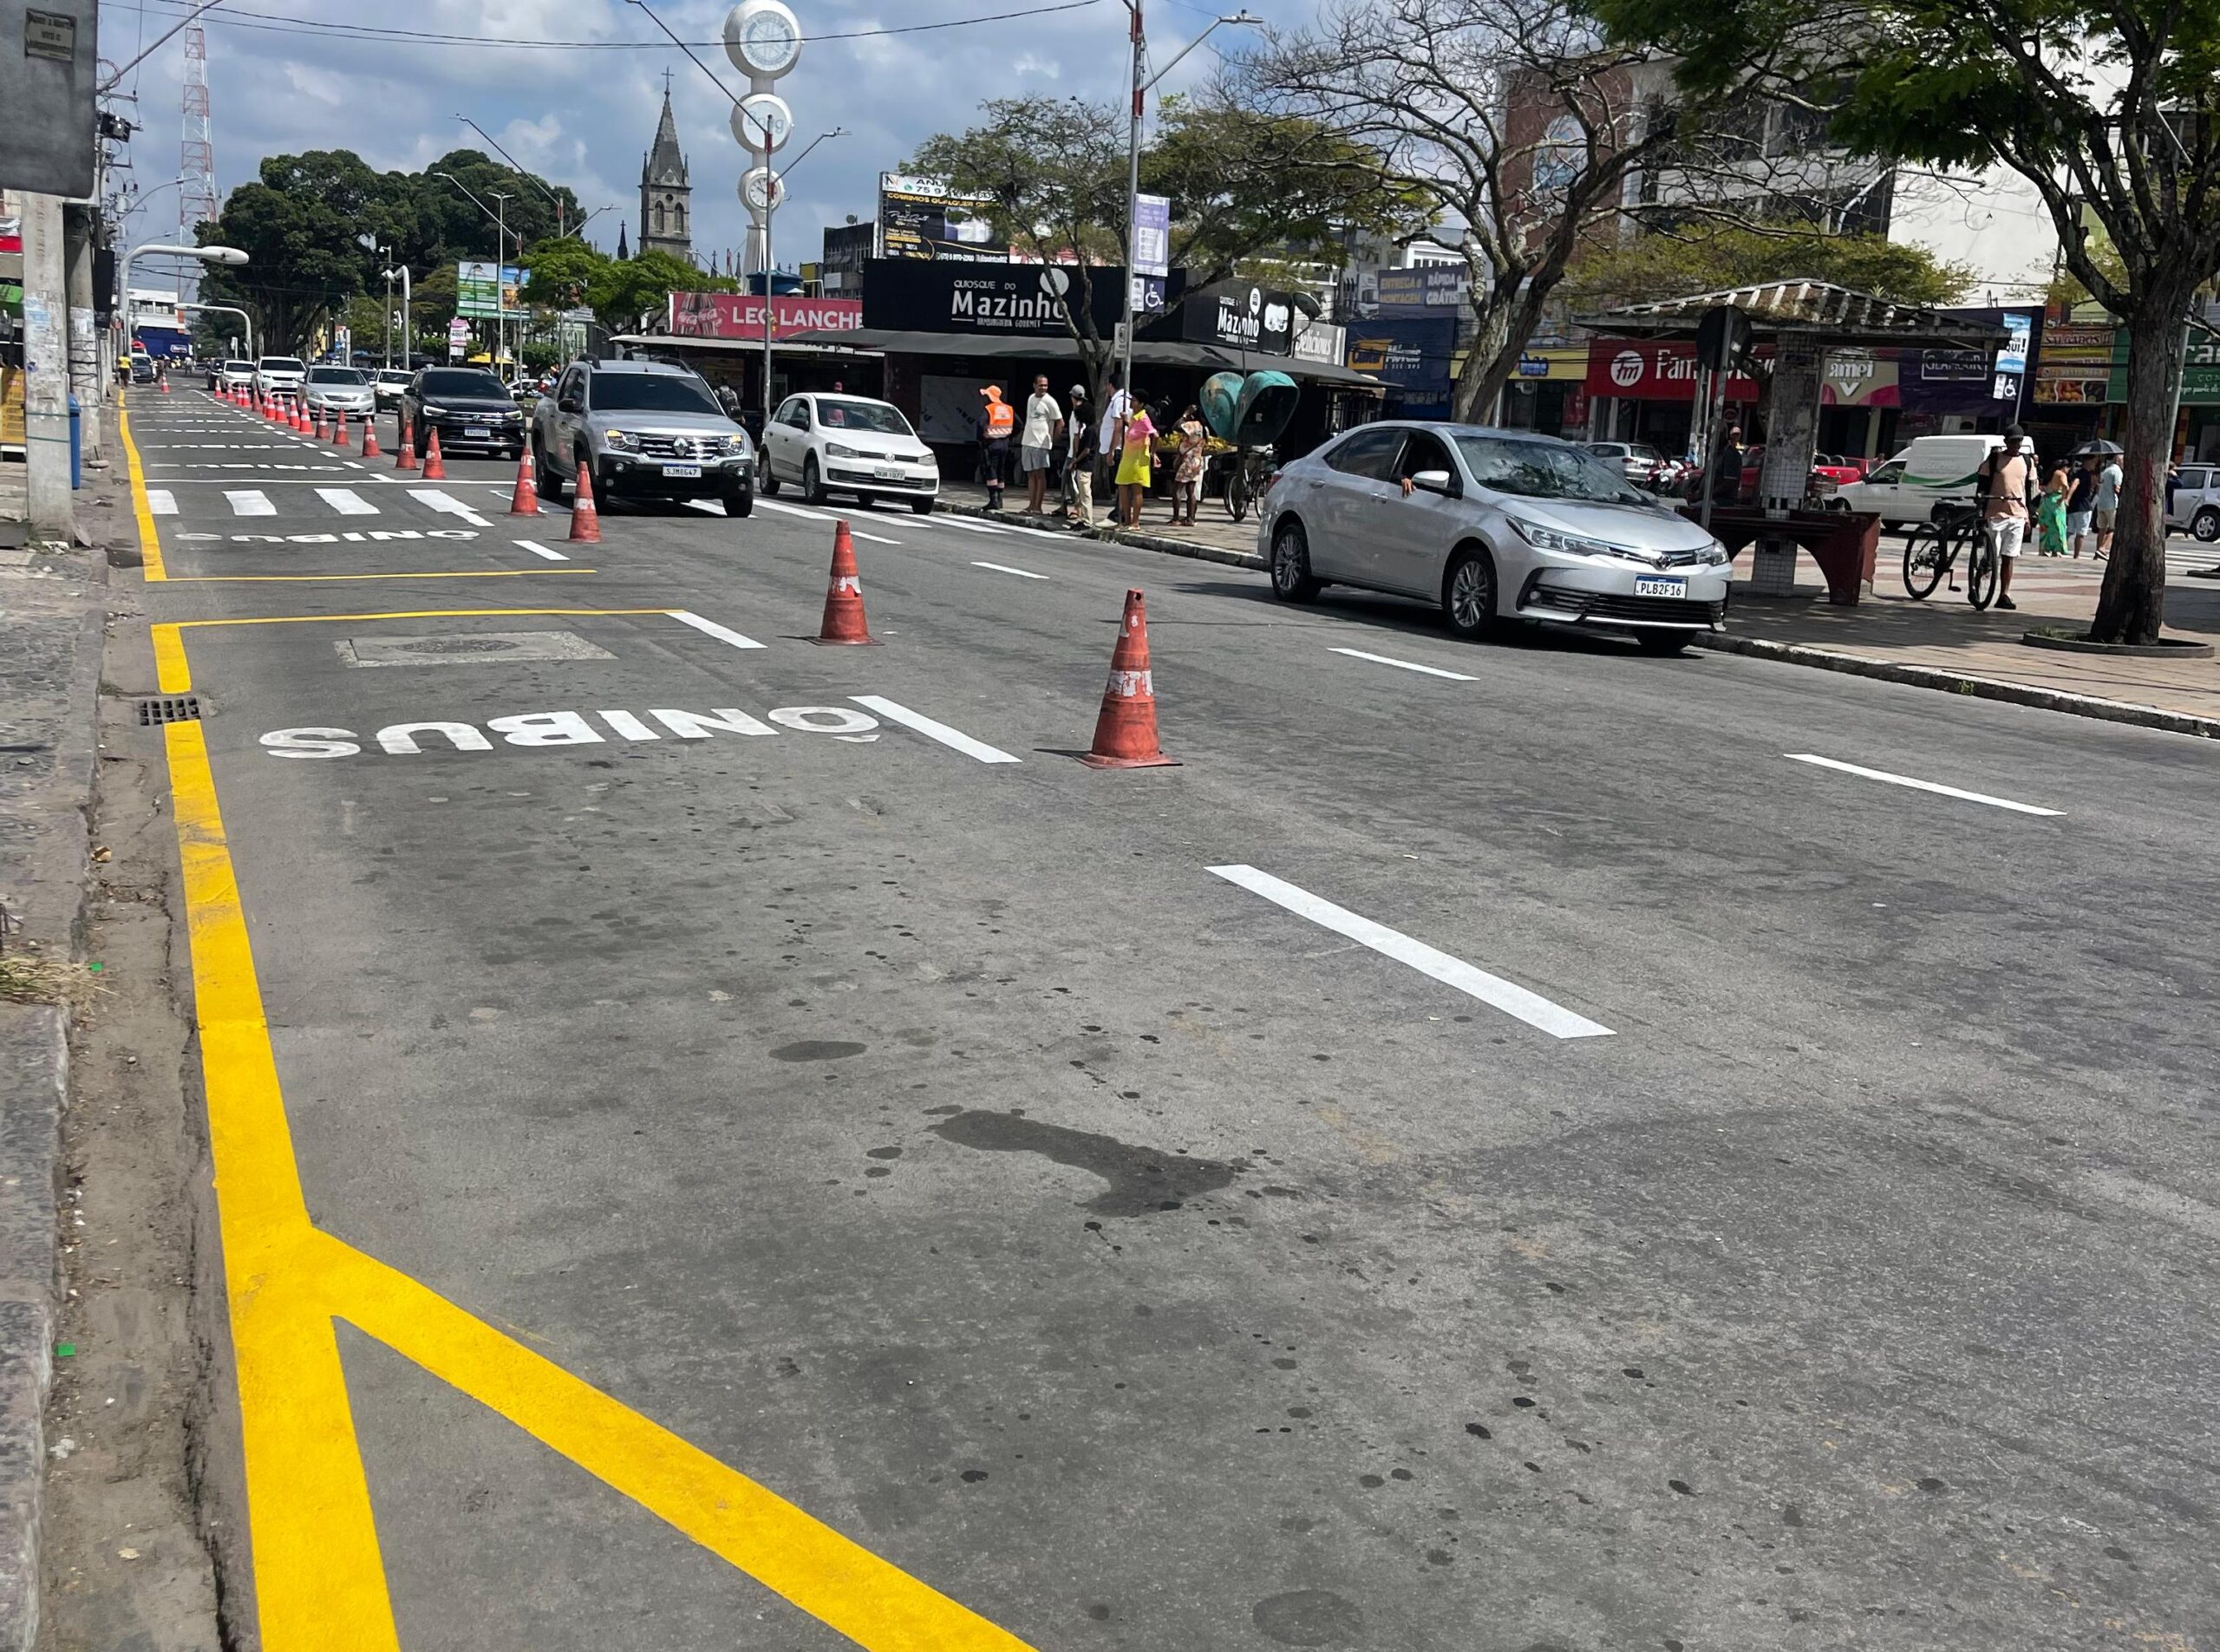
2133	604
1497	342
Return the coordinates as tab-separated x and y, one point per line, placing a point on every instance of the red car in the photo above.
1833	469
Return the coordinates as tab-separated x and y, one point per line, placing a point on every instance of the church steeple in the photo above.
664	192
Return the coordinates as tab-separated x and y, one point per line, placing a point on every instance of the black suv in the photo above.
468	407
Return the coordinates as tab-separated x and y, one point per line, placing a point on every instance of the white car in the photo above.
235	375
847	444
2197	501
279	375
386	385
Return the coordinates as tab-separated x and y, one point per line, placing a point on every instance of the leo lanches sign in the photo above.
740	315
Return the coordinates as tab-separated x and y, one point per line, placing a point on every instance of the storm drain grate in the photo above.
169	708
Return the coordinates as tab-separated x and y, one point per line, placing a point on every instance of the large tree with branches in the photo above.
2110	109
1519	124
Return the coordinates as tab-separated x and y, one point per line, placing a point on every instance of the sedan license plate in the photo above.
681	470
477	432
1661	587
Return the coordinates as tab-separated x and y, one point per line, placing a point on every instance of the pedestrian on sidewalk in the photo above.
1036	446
1136	431
1080	417
2050	514
2081	505
1725	479
2107	505
997	420
1085	453
2006	484
1187	479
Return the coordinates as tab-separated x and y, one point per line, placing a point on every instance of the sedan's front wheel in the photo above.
1468	595
1292	580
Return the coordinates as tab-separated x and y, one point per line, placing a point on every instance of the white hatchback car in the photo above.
2197	501
847	444
1492	525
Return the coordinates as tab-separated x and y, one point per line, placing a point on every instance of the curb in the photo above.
34	1058
1115	536
1928	676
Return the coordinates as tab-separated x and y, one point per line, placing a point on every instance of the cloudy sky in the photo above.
284	75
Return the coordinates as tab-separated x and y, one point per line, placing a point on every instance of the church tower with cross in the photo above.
665	224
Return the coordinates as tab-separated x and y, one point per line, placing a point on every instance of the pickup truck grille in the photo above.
681	446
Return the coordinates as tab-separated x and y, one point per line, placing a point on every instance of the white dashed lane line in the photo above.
1506	995
250	502
447	504
1919	785
538	550
710	627
1020	572
954	739
1408	665
346	501
162	501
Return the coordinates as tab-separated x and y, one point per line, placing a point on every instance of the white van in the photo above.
1934	470
2196	502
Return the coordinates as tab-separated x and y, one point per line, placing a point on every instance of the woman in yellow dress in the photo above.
1138	432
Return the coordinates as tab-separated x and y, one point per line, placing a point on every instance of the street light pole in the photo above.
406	320
246	320
500	286
501	232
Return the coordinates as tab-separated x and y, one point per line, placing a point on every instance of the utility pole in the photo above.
46	367
79	225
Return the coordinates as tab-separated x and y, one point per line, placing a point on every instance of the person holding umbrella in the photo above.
2104	478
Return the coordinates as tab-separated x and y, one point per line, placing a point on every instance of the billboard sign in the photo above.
1240	315
487	289
941	296
1426	288
1410	354
740	315
1646	370
922	218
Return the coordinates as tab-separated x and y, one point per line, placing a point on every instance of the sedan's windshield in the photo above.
336	376
461	381
649	393
1543	470
873	418
392	376
281	364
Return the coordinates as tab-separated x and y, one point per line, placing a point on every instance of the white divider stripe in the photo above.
247	501
762	504
346	501
1020	572
1506	995
433	499
961	522
1408	665
955	739
538	550
710	627
162	501
1919	786
857	532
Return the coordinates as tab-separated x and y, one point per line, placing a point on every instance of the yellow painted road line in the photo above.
320	1582
150	541
420	613
322	578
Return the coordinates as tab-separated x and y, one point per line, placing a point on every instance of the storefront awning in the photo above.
1042	347
1811	309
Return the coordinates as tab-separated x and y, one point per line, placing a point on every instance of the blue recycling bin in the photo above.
76	445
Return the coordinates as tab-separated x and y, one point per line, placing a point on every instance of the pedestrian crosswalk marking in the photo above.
250	502
162	501
346	501
447	503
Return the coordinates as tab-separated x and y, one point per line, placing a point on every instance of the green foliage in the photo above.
627	288
562	274
1706	259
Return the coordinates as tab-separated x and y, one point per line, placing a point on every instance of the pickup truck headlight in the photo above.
431	412
623	440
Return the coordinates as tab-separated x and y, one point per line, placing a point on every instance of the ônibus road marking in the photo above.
1408	665
1919	785
1506	995
955	738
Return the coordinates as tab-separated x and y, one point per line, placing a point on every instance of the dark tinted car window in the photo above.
647	393
875	418
1543	470
460	381
1369	452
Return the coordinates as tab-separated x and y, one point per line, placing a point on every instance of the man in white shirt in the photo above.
2106	517
1036	442
1115	408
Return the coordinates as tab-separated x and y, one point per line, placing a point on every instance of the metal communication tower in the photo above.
196	155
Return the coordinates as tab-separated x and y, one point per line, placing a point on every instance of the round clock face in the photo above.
761	37
762	123
762	189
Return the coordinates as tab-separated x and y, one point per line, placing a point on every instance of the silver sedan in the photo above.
1492	525
339	389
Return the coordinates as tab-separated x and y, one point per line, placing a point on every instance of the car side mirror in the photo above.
568	404
1434	481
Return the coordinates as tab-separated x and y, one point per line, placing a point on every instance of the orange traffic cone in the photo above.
298	418
404	456
1125	734
585	521
434	470
525	501
165	384
318	431
843	598
370	449
339	436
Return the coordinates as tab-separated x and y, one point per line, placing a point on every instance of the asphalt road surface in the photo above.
1508	1147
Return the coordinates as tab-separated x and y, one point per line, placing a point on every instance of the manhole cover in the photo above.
469	648
462	645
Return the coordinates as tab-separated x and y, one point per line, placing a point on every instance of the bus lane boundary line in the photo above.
320	1578
150	539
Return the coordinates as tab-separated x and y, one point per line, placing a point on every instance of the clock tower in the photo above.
665	216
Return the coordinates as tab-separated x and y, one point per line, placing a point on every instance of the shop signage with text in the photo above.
740	315
1647	371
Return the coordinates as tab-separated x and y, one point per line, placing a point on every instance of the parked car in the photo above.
467	406
1933	470
848	444
279	375
1496	525
642	428
1637	461
334	390
2197	501
387	384
1829	472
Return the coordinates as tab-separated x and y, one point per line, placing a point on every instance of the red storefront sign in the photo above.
740	315
1643	370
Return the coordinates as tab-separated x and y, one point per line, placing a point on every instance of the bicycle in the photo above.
1251	476
1931	551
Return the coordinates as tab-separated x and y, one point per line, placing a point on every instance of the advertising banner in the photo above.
483	290
1411	356
2076	366
740	315
922	218
1647	371
1423	290
939	296
2200	371
1318	340
1858	378
1152	245
1240	315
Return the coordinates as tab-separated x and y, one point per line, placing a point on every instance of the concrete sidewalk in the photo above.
1216	537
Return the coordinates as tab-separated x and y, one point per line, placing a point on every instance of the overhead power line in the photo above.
268	22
